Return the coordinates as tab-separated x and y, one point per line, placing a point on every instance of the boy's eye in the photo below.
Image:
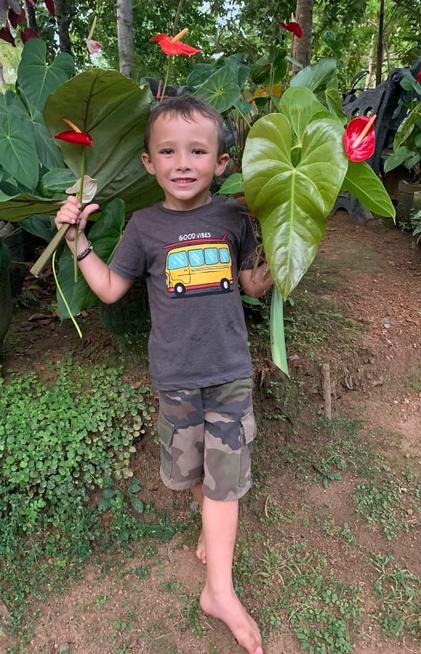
166	151
198	151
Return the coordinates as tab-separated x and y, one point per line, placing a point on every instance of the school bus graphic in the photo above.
198	265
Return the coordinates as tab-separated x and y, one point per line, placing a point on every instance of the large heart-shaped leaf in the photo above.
316	75
200	73
221	89
105	235
300	106
42	226
363	183
36	78
48	152
292	200
14	208
56	180
114	110
18	154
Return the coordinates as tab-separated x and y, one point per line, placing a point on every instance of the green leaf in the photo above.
134	486
396	159
300	106
407	126
363	183
292	199
5	255
105	235
277	332
333	99
199	74
36	78
316	75
251	301
136	503
105	504
409	83
23	205
48	151
18	154
114	110
57	180
42	226
221	89
232	185
335	44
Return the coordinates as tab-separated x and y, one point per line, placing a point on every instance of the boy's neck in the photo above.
179	205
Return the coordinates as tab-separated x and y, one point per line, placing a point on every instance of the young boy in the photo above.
195	251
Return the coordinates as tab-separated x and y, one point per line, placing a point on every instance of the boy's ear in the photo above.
221	163
147	162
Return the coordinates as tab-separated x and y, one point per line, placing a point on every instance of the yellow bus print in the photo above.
198	265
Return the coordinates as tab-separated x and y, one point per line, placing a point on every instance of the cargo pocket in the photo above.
248	434
166	433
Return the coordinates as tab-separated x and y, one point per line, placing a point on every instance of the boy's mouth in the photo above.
183	181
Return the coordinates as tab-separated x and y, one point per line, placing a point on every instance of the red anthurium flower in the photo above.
93	46
27	34
418	77
293	27
16	19
173	45
51	7
79	138
359	139
6	35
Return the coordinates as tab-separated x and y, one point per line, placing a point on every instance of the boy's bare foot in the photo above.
200	549
229	609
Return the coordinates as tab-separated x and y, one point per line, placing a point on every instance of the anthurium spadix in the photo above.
293	166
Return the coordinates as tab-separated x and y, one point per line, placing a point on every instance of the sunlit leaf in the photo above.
292	192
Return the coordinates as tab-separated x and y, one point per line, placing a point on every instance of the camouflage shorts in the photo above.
206	435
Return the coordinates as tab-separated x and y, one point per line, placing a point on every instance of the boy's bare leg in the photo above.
197	492
218	598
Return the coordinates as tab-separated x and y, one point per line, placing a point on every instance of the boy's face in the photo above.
183	155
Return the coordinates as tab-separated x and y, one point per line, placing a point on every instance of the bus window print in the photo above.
200	265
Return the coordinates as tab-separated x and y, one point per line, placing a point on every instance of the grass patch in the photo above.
398	592
321	610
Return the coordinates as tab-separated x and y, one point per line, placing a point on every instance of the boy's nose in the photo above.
183	162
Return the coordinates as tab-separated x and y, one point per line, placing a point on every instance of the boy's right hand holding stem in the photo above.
72	213
106	284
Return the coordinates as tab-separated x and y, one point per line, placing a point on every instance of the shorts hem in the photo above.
179	485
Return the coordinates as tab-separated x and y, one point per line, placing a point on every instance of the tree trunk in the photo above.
301	48
65	11
125	36
379	61
369	76
30	16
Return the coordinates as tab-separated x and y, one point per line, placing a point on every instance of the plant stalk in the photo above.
49	250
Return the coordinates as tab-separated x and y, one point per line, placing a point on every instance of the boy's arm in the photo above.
255	282
105	283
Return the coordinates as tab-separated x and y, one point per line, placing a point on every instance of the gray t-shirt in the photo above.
191	261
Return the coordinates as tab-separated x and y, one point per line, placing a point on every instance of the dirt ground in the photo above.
371	274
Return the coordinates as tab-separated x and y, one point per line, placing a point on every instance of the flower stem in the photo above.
82	176
166	78
72	318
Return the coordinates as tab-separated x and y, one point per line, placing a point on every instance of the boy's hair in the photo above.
185	106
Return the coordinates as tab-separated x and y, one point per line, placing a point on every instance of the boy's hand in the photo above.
72	213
